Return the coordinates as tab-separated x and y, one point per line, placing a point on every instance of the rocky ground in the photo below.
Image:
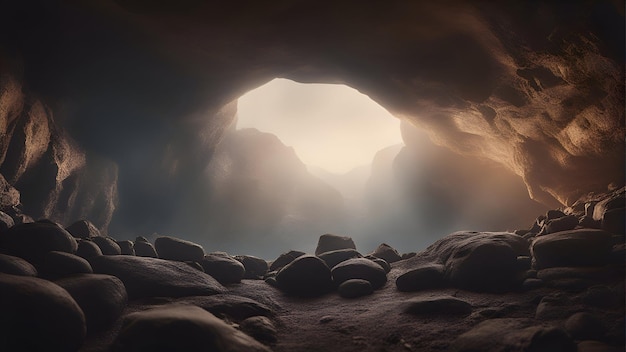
557	286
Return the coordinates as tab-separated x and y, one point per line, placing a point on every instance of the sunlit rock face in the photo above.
537	87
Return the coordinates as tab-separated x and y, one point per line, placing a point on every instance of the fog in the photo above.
283	176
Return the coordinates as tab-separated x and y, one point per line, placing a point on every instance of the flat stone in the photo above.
181	328
359	268
173	248
60	322
583	247
152	277
101	297
439	305
16	266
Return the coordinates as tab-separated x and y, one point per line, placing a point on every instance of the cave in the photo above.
134	216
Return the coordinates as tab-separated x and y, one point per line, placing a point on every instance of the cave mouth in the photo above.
330	126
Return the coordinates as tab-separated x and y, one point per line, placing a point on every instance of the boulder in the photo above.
439	305
386	252
585	326
333	258
173	248
101	297
88	249
152	277
359	268
422	278
107	245
305	276
583	247
143	248
83	229
181	328
256	268
285	259
506	334
383	264
354	288
224	269
61	264
126	247
330	242
16	266
32	241
563	223
38	315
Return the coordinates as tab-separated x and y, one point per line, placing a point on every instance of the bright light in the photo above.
330	126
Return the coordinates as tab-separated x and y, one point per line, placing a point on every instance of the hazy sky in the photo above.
330	126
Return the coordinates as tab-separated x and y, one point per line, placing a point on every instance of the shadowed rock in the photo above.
354	288
422	278
83	229
107	245
256	267
386	252
88	249
583	247
61	264
359	268
172	248
285	259
38	315
226	306
335	257
440	305
305	276
126	247
225	269
16	266
330	242
152	277
181	328
143	248
6	221
33	240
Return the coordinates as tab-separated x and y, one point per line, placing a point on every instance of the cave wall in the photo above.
535	86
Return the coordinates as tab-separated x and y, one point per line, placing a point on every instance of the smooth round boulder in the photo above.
173	248
60	264
101	297
152	277
126	247
305	276
386	252
38	315
181	328
422	278
83	229
32	241
333	258
256	268
330	242
226	270
144	249
359	268
575	248
354	288
16	266
107	245
285	259
88	249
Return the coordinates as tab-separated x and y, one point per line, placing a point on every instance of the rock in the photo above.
354	288
383	264
422	278
227	306
226	270
261	328
506	334
6	222
38	315
585	326
107	245
613	201
152	277
285	259
554	214
583	247
16	266
591	274
88	249
144	249
172	248
305	276
83	229
614	221
555	307
564	223
61	264
386	252
333	258
480	261
181	328
359	268
597	346
329	242
126	247
600	296
408	255
33	240
101	297
256	268
439	305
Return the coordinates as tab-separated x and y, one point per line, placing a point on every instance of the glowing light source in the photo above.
330	126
